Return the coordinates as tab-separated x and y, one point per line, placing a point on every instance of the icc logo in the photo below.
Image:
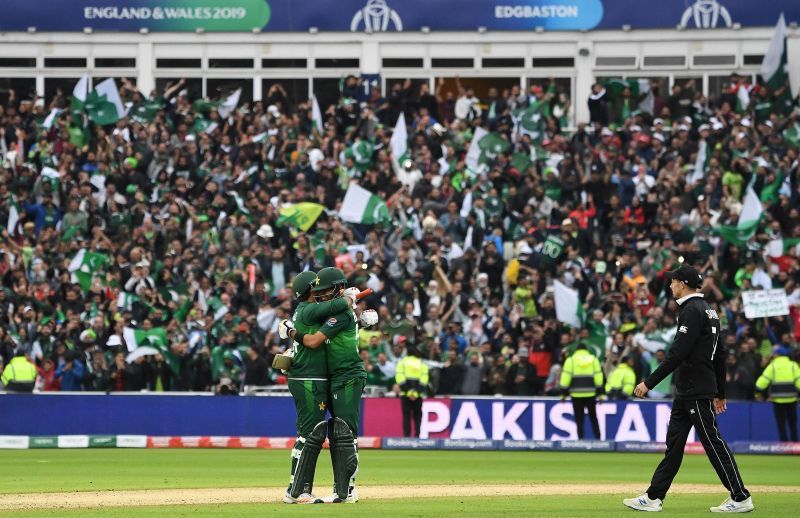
375	17
706	15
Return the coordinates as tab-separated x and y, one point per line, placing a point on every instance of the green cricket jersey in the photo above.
343	358
308	317
553	247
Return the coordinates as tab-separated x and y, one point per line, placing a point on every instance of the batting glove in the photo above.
284	327
369	317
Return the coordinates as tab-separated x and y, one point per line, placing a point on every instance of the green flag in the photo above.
204	105
301	215
774	67
85	265
492	145
104	105
146	111
156	338
749	218
361	153
79	95
361	206
521	162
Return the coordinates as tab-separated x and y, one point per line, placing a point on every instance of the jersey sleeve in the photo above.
316	313
335	325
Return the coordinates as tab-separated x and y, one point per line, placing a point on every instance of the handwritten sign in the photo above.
765	303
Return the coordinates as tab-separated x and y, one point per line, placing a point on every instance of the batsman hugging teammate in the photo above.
325	377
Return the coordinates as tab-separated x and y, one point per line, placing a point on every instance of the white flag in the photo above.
109	90
51	117
361	206
751	209
474	151
81	90
568	307
229	104
774	60
316	114
399	141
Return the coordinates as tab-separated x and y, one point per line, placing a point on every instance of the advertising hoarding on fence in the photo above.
765	303
389	15
517	421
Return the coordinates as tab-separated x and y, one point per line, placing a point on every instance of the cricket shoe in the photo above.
644	503
333	498
305	498
732	506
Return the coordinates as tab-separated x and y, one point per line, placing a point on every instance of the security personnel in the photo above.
582	378
698	360
20	374
782	377
412	377
622	380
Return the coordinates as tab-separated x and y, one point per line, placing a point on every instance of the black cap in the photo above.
687	274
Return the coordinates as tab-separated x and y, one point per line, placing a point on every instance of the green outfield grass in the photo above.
589	506
26	471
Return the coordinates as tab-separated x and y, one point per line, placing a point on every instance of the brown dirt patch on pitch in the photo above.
148	497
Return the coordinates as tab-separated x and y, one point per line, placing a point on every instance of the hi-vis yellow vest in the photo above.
582	374
782	376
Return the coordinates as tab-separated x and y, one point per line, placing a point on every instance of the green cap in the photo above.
131	188
328	278
302	284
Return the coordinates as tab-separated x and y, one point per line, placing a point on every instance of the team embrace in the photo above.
325	374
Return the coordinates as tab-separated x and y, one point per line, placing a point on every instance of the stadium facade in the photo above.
309	47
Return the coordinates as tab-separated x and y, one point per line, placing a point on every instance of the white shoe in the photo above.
333	498
305	498
732	506
644	503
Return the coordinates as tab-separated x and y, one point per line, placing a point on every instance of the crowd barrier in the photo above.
477	419
22	442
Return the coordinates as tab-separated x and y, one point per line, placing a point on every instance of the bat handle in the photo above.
366	293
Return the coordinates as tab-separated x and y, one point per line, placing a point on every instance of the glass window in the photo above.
284	63
24	88
65	62
230	63
503	62
17	62
402	62
296	90
193	86
58	85
326	89
452	62
115	62
480	85
221	88
337	62
178	63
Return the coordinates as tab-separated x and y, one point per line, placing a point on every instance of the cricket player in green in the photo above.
346	375
308	384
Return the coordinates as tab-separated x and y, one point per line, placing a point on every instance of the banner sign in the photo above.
541	420
463	423
765	303
389	15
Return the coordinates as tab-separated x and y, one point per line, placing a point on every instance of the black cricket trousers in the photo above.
580	405
412	408
700	414
786	414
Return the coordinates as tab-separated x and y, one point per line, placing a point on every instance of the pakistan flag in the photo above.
492	145
104	104
361	153
155	338
85	266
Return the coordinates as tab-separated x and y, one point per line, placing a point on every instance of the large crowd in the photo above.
173	215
